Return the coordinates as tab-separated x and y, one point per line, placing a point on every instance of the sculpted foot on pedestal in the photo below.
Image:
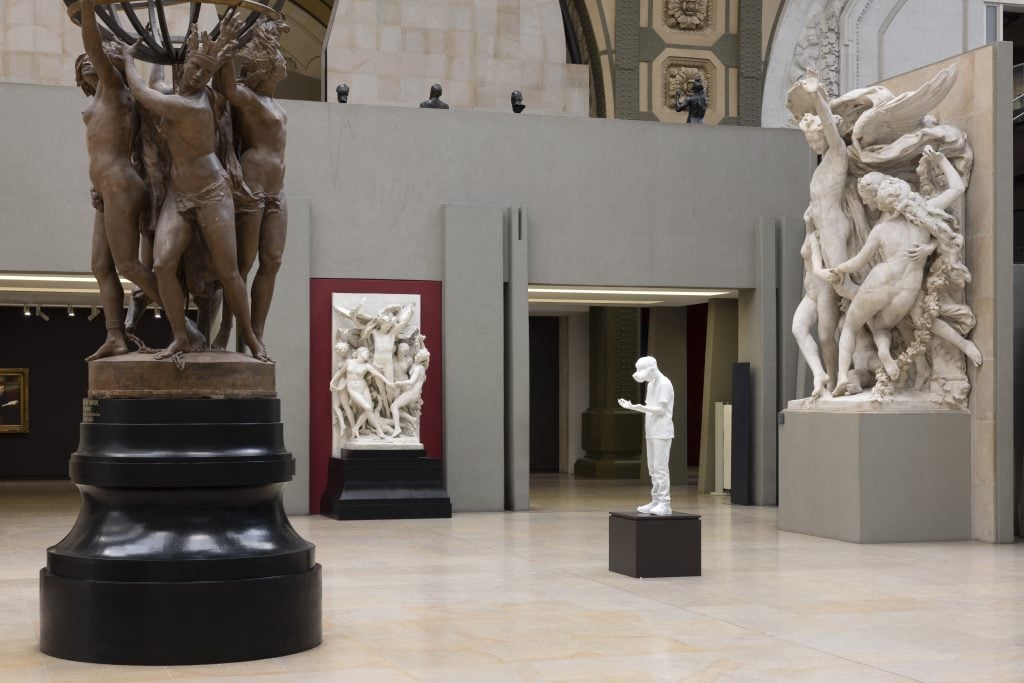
661	510
111	347
177	346
646	508
220	342
196	339
262	354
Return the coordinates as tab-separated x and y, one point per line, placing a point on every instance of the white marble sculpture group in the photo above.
884	250
658	430
381	362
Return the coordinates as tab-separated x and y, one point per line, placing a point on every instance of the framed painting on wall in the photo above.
13	400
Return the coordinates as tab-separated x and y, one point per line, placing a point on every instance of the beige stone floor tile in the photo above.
528	597
60	671
29	674
260	667
515	672
356	675
335	654
420	657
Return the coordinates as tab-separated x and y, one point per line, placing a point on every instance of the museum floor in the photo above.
528	597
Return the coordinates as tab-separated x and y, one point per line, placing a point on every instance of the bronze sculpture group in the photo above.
188	182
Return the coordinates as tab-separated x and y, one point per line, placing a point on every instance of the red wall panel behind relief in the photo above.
320	339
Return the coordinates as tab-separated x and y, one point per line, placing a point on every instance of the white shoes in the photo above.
653	508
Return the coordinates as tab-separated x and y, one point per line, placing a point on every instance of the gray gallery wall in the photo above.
609	202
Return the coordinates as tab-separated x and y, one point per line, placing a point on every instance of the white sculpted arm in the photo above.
953	180
336	380
660	409
405	315
355	315
373	371
858	261
817	262
919	252
814	88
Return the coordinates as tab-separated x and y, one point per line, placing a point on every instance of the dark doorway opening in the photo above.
544	394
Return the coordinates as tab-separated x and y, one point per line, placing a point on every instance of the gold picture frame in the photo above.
13	400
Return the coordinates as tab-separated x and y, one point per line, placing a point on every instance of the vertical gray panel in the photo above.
720	352
1004	293
791	290
474	357
757	345
1018	397
289	313
517	363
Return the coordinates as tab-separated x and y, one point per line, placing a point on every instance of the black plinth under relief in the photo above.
182	552
385	484
649	546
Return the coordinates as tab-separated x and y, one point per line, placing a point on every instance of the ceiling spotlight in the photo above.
71	311
42	314
25	310
156	313
93	312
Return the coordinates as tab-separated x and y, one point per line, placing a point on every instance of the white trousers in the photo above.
657	465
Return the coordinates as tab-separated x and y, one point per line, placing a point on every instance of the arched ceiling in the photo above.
303	46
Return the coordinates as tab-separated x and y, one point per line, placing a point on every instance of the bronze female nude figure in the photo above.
261	210
118	193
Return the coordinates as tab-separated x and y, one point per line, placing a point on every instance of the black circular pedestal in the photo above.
182	552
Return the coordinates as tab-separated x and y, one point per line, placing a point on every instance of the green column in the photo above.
612	437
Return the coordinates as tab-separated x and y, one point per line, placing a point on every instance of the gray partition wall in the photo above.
609	203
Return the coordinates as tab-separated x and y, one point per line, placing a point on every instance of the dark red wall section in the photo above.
320	336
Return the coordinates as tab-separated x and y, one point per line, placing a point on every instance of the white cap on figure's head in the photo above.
646	366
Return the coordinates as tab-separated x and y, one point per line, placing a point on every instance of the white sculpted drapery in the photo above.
884	281
380	366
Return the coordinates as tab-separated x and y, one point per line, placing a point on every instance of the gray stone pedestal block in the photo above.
876	477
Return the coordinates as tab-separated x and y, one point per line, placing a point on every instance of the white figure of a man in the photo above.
658	430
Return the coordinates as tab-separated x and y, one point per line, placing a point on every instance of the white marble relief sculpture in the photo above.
658	431
884	272
380	366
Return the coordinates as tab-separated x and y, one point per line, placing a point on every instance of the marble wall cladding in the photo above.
39	44
391	51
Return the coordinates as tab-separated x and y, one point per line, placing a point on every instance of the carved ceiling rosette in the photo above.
681	72
688	15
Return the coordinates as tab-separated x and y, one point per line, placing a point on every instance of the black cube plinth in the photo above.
648	546
182	552
385	484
